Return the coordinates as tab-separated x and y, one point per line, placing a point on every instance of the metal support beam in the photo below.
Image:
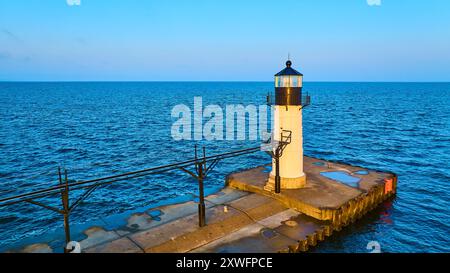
201	166
201	200
66	208
284	141
277	172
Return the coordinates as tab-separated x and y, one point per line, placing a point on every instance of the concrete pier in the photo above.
322	198
243	217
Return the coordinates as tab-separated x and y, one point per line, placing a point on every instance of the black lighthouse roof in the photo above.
288	71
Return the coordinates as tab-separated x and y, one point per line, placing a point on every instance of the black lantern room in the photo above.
288	86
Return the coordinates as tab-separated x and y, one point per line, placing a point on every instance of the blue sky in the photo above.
242	40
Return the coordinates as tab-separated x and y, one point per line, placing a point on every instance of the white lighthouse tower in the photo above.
287	139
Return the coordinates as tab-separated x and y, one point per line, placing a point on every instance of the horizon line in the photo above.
200	81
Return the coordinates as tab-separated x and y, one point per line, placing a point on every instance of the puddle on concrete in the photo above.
268	233
362	172
319	164
342	177
155	214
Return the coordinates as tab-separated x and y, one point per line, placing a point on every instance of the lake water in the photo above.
98	129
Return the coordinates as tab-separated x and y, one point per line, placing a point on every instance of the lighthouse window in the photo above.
288	81
294	81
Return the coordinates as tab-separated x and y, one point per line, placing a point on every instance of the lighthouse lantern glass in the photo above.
288	81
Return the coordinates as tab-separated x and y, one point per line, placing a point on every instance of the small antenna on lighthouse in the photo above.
289	56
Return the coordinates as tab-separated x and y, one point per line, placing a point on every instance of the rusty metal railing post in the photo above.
66	209
277	172
201	193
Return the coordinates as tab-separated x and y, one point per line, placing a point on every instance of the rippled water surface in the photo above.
97	129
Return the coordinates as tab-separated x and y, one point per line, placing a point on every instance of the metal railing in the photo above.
202	166
305	100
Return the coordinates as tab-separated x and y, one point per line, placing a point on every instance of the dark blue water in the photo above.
97	129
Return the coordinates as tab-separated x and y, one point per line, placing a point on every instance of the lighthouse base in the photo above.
286	183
